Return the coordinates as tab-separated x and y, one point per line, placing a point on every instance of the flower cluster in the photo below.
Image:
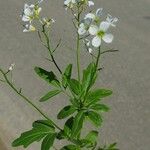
72	3
31	13
92	27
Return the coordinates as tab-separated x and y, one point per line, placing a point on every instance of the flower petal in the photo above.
104	26
90	16
82	29
96	42
90	3
93	30
108	38
25	18
99	12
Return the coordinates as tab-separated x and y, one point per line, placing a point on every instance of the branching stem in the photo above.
27	99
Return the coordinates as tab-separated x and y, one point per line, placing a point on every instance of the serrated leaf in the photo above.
48	142
40	129
75	86
100	107
77	124
47	76
70	147
97	95
50	95
66	111
95	118
66	75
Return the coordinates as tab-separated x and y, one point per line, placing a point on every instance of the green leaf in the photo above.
100	107
92	137
49	95
96	95
66	132
66	75
95	118
89	77
112	146
47	76
75	86
77	124
66	111
40	129
46	124
70	147
68	126
48	142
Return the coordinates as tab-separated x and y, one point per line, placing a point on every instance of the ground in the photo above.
127	72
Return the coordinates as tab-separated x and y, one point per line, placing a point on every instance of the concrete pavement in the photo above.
127	73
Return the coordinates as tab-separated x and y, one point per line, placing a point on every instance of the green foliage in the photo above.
74	86
49	77
100	107
66	75
66	111
77	124
95	118
97	95
70	147
41	129
90	140
48	142
89	77
49	95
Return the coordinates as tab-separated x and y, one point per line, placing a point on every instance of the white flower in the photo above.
84	26
30	12
11	67
111	20
94	16
100	34
90	3
69	3
82	29
29	28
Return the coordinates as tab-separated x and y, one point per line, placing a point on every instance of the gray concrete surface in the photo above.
127	73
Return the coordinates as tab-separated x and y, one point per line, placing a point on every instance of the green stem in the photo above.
98	58
27	99
78	45
49	49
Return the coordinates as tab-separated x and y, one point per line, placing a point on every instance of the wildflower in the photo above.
11	67
111	20
82	29
30	12
90	3
94	17
100	34
29	28
69	3
84	26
